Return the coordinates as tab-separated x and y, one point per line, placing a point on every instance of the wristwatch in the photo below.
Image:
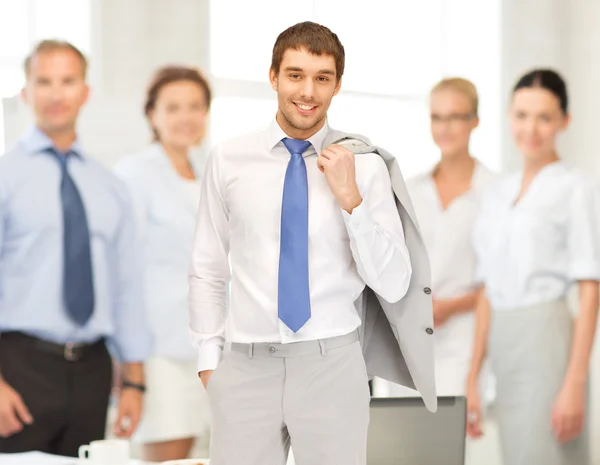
138	387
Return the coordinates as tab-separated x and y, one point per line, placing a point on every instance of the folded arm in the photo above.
377	235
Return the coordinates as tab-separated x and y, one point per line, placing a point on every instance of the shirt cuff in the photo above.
209	357
360	222
135	350
582	271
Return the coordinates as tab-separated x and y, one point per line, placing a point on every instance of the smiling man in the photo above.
70	279
305	230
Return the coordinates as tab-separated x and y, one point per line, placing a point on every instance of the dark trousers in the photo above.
67	393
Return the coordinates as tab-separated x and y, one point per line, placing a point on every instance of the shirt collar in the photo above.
479	180
276	134
476	178
159	151
36	141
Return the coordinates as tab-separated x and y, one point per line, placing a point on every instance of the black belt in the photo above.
71	351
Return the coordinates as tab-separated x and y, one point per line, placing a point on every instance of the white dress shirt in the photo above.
447	234
238	229
530	252
165	206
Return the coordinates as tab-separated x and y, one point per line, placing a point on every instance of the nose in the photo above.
57	92
307	89
531	127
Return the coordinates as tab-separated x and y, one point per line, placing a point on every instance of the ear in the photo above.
150	117
475	123
566	121
86	93
24	96
338	86
273	78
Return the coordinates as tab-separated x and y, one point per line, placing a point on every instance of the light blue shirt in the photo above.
31	251
166	206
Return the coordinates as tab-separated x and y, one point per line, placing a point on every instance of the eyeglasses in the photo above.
452	118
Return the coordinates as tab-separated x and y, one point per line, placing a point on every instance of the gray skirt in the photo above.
529	351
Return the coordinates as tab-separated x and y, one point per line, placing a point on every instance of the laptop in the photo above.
402	431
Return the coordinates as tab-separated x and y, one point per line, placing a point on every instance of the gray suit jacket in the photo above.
397	339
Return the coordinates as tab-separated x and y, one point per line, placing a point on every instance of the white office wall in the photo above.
582	67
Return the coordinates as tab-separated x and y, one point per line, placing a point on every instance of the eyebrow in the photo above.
322	71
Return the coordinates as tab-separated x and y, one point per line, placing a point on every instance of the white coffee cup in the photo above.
107	452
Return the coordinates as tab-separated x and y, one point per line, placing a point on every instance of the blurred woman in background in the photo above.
446	201
164	181
538	232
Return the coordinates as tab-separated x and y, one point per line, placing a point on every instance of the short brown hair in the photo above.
317	39
53	45
462	86
169	74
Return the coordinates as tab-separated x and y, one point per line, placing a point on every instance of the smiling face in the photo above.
453	119
536	120
56	89
180	114
305	85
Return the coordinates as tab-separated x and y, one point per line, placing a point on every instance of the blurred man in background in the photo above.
69	275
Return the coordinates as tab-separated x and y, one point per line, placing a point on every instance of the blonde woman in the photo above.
446	200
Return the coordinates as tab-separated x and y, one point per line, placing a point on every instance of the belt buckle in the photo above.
69	352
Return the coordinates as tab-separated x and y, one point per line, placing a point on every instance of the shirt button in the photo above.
272	349
427	291
429	331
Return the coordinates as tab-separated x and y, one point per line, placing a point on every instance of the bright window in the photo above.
392	47
241	114
398	125
25	22
240	43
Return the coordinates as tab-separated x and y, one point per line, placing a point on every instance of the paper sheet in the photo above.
36	458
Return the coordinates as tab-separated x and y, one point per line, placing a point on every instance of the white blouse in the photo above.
531	251
166	206
447	234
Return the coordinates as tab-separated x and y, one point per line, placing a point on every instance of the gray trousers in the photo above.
529	349
313	395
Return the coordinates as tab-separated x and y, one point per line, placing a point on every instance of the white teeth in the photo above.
305	107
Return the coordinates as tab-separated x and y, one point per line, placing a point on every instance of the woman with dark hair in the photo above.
538	233
164	182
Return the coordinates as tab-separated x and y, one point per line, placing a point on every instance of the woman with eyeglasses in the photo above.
538	233
446	200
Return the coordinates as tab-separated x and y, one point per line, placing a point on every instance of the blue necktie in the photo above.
78	287
293	291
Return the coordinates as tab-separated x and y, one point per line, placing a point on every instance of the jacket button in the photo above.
429	331
427	291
